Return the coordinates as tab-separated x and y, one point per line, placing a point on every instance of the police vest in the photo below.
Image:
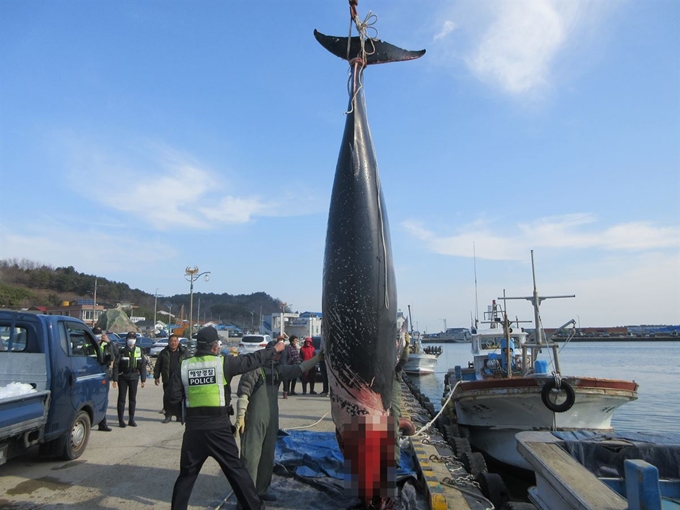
204	381
130	360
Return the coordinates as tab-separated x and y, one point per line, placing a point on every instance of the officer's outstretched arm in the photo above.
312	362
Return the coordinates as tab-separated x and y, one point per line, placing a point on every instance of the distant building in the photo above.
84	310
300	324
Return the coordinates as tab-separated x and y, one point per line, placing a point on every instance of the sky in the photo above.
139	138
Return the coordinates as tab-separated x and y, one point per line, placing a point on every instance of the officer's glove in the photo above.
312	362
241	408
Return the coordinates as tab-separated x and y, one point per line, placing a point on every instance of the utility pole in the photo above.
94	303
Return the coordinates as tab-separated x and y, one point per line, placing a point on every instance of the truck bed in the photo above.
27	412
23	413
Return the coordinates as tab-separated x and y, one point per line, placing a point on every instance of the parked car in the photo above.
158	347
252	343
145	343
114	337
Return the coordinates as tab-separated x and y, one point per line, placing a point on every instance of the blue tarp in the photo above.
604	454
316	454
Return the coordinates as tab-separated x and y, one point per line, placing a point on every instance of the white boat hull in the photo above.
491	414
420	364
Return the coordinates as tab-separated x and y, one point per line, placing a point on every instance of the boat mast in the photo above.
474	260
539	333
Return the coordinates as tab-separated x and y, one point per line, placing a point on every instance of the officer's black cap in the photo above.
207	336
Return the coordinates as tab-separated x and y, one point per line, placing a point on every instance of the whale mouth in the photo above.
368	445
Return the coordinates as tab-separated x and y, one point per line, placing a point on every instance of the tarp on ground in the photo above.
316	454
315	459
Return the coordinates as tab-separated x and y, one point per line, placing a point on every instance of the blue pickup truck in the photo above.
53	384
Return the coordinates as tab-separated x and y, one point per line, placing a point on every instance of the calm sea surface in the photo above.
655	366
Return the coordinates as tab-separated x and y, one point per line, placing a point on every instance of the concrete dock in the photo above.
135	468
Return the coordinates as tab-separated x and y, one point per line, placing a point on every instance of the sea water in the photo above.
655	366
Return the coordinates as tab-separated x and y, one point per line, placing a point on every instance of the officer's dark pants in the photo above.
123	386
212	437
103	422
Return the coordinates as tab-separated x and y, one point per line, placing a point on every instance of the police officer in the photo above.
208	432
111	349
258	416
127	370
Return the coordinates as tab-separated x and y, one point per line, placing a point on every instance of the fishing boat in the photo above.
587	470
421	360
515	384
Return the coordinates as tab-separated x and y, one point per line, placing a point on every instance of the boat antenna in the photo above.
474	262
506	334
410	320
535	299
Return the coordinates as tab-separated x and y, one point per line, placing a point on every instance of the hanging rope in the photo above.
357	63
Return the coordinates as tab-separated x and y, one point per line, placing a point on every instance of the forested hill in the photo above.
24	283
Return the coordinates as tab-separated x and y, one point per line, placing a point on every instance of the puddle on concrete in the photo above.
11	505
44	482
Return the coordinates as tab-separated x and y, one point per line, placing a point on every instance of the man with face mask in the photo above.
127	370
111	349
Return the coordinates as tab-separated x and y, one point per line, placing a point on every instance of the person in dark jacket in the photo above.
128	368
111	350
167	363
208	433
257	417
291	356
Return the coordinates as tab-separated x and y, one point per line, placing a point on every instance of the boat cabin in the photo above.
491	355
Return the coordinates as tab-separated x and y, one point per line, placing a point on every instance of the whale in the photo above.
359	292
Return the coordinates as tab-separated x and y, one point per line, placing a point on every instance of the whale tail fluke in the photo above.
376	51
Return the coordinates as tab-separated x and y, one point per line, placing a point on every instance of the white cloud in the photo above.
517	45
447	28
166	189
575	231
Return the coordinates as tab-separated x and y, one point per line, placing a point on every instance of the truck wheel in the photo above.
77	438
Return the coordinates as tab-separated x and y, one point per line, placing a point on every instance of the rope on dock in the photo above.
429	424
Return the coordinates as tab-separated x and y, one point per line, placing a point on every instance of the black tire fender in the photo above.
474	463
493	488
564	386
460	446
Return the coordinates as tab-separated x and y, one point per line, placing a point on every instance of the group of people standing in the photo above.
203	382
293	355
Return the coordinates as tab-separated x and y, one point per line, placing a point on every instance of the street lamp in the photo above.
155	306
191	274
169	317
